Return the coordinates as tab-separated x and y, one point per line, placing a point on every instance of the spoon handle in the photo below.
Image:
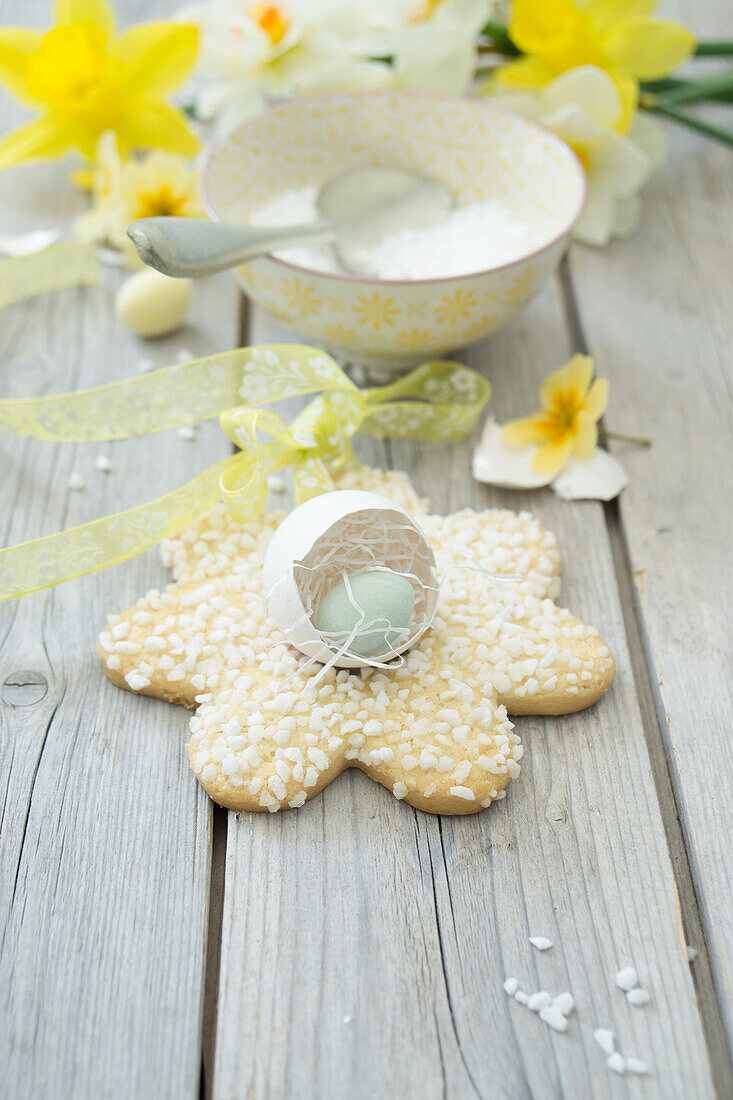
188	247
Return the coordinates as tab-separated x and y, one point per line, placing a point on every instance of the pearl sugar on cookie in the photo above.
350	579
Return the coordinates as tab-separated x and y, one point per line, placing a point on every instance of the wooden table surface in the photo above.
152	945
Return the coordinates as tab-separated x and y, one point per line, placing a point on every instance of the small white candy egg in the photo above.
347	532
152	304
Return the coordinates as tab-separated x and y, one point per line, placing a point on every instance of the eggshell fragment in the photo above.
344	532
152	304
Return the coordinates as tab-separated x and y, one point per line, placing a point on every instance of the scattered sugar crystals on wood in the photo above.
638	997
471	238
103	463
541	943
75	482
616	1063
511	985
554	1018
606	1039
627	978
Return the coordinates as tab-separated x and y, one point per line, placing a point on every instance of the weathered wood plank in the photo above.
365	944
656	313
104	863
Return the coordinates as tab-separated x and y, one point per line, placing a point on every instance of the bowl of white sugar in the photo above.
518	191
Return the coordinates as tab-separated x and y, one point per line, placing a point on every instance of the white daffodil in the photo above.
556	445
432	44
584	108
254	53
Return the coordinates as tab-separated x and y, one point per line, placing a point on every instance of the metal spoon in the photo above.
356	209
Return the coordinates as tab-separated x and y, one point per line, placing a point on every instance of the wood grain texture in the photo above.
657	316
365	944
104	859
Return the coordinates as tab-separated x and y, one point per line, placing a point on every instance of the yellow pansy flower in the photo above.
86	78
556	445
616	35
566	424
123	191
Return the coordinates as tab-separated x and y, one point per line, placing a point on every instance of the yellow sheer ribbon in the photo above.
436	401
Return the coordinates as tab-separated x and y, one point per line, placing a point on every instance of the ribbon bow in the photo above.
436	401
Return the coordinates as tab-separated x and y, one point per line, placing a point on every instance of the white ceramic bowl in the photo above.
480	151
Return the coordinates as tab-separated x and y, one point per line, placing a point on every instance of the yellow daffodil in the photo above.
583	107
556	445
156	183
616	35
86	77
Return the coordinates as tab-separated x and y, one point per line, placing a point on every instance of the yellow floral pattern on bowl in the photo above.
480	151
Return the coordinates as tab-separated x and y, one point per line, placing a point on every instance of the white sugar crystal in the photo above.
638	997
400	789
183	355
636	1065
627	978
103	463
538	1001
75	482
554	1017
347	1019
692	953
511	985
616	1063
565	1002
521	997
606	1039
145	365
276	484
470	238
187	432
540	942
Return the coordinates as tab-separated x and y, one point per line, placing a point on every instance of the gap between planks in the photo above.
651	707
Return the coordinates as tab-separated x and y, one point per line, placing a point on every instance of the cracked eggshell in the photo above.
348	530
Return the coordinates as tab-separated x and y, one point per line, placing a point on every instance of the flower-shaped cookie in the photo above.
435	731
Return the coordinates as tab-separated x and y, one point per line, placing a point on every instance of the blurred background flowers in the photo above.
594	71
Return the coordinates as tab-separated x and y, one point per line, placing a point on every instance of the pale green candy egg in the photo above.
381	595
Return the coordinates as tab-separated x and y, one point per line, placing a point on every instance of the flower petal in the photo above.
596	225
649	136
508	467
524	430
575	375
648	48
595	403
97	11
592	90
16	46
607	13
601	478
628	89
627	216
153	124
537	25
525	72
550	458
158	56
43	139
586	437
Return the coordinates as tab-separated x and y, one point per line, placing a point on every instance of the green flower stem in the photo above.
500	35
721	48
636	440
658	105
689	91
672	84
